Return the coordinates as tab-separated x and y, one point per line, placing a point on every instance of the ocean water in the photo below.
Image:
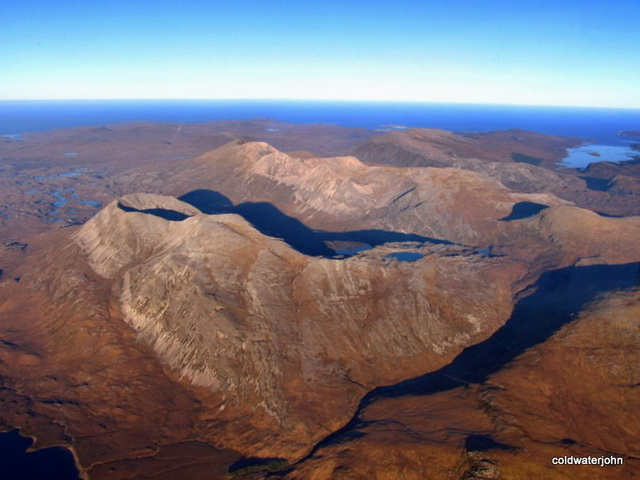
583	155
597	124
599	127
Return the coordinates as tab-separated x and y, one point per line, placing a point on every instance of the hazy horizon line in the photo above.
319	100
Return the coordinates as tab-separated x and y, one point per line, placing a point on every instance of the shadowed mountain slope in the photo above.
216	318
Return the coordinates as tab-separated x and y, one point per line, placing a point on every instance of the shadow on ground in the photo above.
269	220
555	300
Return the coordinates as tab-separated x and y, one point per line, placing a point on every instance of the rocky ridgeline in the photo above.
300	337
342	193
235	337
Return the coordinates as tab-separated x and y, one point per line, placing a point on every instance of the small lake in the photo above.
582	156
353	250
64	198
406	256
93	203
61	201
75	173
53	463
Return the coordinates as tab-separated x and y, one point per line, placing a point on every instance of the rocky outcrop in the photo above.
114	239
172	326
573	395
522	161
342	193
299	338
452	204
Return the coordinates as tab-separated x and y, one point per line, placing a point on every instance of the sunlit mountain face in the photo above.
218	291
319	240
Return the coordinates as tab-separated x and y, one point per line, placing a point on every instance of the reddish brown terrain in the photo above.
522	161
319	302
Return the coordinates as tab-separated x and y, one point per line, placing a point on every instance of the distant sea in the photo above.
590	123
596	125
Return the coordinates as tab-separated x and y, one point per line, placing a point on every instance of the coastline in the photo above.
82	474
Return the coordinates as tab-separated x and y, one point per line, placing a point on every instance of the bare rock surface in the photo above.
342	193
523	161
173	330
297	339
573	395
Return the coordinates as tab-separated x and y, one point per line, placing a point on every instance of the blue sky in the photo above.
512	52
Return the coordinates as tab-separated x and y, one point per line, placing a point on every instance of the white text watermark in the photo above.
602	461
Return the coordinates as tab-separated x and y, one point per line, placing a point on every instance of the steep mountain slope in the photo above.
240	319
298	339
523	161
221	303
573	395
342	193
61	177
